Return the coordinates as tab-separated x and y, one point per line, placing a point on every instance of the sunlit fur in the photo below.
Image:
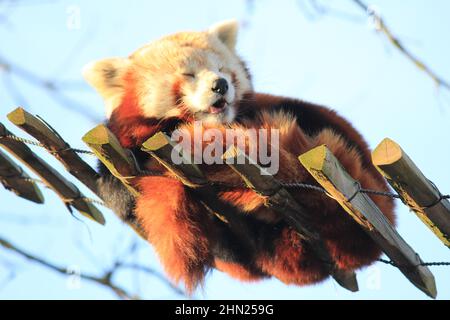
154	90
173	76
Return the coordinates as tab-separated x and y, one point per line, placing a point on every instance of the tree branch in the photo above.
394	40
105	279
55	89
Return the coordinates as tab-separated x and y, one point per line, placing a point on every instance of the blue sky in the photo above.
335	61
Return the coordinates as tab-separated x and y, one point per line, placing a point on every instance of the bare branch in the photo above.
321	9
104	280
155	274
395	41
55	89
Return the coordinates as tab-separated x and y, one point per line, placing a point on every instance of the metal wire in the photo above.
359	190
426	264
288	184
34	180
293	184
302	186
24	140
38	144
381	193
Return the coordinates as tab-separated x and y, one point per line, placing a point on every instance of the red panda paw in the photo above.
177	228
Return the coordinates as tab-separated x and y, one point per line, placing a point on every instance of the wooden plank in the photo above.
329	173
66	190
56	145
120	163
16	180
161	147
415	190
108	149
281	201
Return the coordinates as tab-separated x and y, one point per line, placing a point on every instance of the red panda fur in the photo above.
177	227
293	263
182	232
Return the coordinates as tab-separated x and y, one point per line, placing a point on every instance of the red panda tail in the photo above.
177	228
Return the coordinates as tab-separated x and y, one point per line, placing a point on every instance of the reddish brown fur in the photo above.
348	244
177	227
127	121
327	118
180	229
237	271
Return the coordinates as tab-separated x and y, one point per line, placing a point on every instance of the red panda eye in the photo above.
221	69
190	75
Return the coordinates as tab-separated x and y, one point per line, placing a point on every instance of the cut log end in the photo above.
156	142
17	116
90	211
34	194
315	158
346	280
429	284
99	135
387	152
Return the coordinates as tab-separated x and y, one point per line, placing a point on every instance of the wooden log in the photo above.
108	149
329	173
56	145
62	151
119	162
161	147
16	180
281	201
66	190
414	189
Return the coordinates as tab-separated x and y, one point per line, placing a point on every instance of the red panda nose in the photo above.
220	86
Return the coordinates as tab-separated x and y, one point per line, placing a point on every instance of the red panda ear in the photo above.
226	31
106	76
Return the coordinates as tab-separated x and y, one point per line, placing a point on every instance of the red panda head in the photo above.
188	75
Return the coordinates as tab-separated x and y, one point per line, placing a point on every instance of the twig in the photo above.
322	9
395	41
56	90
104	280
153	273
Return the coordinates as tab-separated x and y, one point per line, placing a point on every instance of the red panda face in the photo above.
189	75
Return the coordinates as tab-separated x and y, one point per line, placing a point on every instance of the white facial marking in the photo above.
199	96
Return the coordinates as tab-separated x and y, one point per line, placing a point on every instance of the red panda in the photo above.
197	76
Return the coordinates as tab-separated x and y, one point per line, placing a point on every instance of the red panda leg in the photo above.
177	228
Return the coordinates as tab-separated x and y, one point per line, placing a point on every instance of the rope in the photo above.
426	264
302	186
91	200
95	201
27	141
380	193
41	145
358	190
293	184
